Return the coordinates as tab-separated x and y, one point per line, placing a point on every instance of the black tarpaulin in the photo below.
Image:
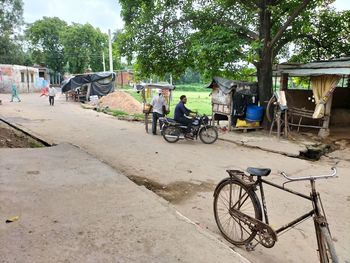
101	83
227	86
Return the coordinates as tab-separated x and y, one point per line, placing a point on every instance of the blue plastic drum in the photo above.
254	113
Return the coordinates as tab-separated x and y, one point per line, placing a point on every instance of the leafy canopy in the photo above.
216	37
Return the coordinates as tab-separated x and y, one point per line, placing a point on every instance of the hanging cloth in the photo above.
322	87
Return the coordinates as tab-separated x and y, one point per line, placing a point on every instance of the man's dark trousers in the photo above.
155	118
187	122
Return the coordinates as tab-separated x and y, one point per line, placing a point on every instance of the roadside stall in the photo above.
235	101
147	91
323	102
82	87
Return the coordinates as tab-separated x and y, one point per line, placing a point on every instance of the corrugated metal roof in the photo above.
329	67
316	72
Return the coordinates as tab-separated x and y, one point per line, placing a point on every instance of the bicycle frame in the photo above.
313	198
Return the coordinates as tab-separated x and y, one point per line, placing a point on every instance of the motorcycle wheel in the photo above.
171	134
208	135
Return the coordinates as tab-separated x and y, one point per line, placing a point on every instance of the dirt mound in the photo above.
120	100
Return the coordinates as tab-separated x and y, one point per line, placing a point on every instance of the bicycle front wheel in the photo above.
326	246
233	194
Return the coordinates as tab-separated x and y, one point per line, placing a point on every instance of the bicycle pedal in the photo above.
249	247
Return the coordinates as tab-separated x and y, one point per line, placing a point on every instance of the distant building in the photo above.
54	78
124	77
26	78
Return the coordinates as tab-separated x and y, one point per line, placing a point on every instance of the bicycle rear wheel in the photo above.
326	247
234	194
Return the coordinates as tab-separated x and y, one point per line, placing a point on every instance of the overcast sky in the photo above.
104	14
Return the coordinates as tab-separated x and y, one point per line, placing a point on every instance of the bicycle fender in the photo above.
221	182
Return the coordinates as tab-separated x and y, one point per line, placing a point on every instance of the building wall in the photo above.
124	78
26	78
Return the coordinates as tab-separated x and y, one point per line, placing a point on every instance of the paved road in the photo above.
188	171
74	208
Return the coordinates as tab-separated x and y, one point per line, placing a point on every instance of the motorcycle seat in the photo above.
258	171
171	122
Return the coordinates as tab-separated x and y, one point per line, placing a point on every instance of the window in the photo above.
31	77
22	76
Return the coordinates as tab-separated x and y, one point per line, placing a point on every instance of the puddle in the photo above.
175	192
315	152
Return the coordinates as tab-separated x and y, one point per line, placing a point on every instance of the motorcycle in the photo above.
173	131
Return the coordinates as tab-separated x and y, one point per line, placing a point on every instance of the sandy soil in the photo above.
120	100
187	172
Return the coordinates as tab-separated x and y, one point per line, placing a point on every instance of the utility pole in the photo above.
103	61
110	51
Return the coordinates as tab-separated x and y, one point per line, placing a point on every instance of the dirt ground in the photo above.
12	138
187	172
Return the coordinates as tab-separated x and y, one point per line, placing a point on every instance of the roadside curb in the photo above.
28	133
259	148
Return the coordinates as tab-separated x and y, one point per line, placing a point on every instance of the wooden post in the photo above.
284	82
88	92
324	131
286	127
278	117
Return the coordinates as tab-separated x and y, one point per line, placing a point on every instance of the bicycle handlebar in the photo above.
333	174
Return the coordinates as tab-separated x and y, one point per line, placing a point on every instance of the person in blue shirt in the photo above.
14	92
181	112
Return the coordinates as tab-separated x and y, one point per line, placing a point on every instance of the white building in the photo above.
26	78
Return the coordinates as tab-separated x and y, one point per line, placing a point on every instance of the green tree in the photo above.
214	36
326	37
44	37
83	47
11	19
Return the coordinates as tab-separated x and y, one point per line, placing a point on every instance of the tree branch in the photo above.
249	4
289	21
285	41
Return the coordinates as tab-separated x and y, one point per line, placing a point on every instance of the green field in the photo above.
199	101
198	98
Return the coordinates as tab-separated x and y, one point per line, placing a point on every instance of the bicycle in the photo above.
245	218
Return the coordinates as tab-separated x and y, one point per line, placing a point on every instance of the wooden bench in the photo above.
302	114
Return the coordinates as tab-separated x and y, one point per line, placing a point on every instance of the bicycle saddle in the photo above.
258	171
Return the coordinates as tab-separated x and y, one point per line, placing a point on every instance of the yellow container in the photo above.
243	123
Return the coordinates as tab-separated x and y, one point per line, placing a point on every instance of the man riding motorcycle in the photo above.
181	113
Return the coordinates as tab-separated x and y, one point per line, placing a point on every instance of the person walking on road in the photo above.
14	92
52	94
158	103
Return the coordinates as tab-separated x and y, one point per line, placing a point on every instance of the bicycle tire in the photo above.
253	200
171	134
212	138
329	253
270	104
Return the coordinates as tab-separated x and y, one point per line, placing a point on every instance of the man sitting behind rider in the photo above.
181	112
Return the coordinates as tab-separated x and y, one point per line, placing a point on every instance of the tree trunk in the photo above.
264	71
264	66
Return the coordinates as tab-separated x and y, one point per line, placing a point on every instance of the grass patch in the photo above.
198	98
191	87
118	113
199	101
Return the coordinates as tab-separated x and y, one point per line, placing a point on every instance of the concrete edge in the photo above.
259	148
27	132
